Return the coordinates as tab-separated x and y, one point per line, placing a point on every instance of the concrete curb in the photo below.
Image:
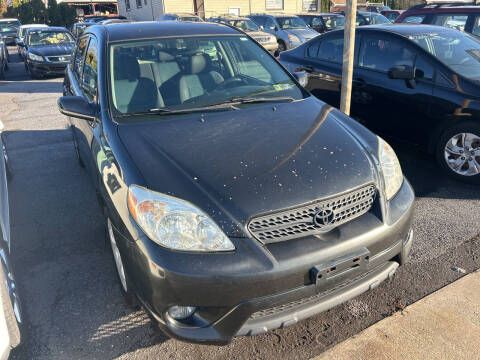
443	325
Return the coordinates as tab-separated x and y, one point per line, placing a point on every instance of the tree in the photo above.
67	15
3	8
30	12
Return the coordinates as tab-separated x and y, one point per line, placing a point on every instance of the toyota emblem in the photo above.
323	217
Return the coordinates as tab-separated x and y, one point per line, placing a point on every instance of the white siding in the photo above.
153	10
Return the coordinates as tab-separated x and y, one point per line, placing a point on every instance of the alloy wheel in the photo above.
116	256
462	154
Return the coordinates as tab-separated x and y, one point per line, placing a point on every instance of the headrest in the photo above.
197	64
164	56
126	67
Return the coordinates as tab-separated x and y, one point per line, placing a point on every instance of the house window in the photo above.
139	4
127	5
145	2
274	4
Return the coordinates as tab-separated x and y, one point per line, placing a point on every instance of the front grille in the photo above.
299	222
62	58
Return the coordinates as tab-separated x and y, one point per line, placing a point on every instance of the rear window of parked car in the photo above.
413	19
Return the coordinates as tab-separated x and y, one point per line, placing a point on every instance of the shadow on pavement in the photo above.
426	176
70	294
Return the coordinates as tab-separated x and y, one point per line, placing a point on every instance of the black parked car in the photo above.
415	82
47	51
323	22
369	18
236	202
181	17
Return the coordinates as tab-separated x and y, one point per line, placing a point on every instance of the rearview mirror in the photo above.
77	107
301	77
404	72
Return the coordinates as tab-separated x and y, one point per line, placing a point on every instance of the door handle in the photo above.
359	83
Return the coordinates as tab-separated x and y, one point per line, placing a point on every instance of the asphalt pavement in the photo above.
65	272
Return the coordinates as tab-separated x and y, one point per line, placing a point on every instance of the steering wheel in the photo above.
229	83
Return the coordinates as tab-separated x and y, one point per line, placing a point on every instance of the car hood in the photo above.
236	165
303	34
52	50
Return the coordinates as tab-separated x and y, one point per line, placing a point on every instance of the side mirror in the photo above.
404	72
20	42
262	27
301	77
77	107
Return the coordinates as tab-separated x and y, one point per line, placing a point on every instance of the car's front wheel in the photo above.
458	152
125	285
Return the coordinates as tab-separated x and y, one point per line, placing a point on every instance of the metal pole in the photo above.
348	52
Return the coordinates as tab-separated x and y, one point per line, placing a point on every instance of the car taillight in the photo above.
278	58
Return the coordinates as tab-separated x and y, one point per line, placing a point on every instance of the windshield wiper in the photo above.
251	100
159	111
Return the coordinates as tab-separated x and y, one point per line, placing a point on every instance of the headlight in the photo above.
175	223
35	57
272	39
293	38
391	169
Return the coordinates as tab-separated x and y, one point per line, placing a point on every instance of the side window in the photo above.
269	24
317	21
451	21
382	53
423	69
79	56
312	50
331	50
476	26
392	16
89	82
413	19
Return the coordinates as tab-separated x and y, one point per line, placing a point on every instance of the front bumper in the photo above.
47	68
262	287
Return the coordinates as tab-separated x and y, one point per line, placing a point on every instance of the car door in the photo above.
84	83
323	63
391	106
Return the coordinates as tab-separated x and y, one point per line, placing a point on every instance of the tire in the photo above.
14	327
30	73
459	155
281	47
122	276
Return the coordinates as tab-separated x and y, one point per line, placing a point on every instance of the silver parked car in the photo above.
290	30
3	58
10	309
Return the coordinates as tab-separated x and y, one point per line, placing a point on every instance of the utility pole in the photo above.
348	52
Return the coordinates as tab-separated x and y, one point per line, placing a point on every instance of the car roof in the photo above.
53	28
275	15
157	29
445	9
27	26
319	14
406	29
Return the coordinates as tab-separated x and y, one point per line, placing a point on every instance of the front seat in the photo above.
198	78
133	92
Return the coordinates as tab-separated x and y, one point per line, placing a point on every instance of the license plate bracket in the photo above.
340	269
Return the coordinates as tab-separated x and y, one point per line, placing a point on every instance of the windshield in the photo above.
190	18
458	51
374	19
9	26
244	25
291	23
177	74
334	22
43	37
